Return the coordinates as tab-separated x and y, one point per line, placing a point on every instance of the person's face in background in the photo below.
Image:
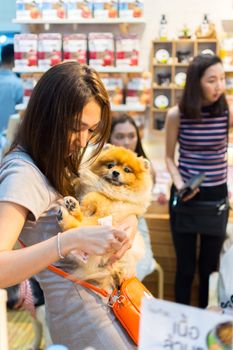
90	120
213	83
124	135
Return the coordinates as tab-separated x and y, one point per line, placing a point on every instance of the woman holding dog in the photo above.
125	133
200	126
68	109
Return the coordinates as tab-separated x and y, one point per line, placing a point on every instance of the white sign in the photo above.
169	326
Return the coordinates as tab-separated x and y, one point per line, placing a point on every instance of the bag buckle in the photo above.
117	298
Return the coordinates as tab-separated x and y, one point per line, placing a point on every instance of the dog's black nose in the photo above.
115	173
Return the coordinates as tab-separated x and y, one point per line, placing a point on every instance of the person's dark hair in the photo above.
191	101
123	119
54	109
7	54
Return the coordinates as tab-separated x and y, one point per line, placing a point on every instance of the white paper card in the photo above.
170	326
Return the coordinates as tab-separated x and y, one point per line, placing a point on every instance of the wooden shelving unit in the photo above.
174	65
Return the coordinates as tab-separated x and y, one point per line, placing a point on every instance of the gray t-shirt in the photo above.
77	316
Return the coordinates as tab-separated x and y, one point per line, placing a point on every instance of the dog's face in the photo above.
121	167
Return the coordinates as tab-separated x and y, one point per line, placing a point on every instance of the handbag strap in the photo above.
64	274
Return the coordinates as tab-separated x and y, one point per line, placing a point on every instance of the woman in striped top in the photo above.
200	126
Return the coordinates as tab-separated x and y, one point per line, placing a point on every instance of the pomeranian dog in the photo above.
117	184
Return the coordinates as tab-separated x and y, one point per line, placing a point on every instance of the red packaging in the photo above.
127	50
101	49
75	47
138	89
49	49
25	50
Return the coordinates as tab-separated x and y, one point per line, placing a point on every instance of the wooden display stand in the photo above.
174	65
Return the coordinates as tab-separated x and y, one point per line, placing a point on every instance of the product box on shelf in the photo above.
115	86
28	9
25	50
138	89
49	49
75	47
54	9
29	82
101	49
79	9
105	8
127	50
130	8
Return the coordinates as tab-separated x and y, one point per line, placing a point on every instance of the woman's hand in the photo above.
130	227
93	240
190	195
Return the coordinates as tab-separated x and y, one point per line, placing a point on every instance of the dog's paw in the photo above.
71	203
66	220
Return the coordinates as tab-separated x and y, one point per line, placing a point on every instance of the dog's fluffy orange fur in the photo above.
119	184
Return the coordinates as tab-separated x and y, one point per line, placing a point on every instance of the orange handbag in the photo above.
125	301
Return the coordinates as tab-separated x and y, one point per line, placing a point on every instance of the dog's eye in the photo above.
110	165
127	170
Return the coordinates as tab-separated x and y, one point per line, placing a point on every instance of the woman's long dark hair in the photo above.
54	109
124	118
191	101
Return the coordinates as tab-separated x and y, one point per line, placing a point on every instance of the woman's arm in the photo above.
171	136
231	116
17	265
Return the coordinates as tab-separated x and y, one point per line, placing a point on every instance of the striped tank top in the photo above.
203	147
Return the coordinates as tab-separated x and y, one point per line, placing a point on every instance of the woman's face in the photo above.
124	135
213	83
90	119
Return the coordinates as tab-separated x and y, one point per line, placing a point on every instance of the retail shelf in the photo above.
133	69
80	21
128	108
228	68
114	108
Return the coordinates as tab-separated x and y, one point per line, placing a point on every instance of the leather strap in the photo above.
64	274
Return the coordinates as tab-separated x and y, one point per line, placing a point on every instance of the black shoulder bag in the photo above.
209	217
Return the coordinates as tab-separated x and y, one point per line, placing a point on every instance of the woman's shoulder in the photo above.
173	116
174	112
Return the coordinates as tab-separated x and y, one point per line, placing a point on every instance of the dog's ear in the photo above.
146	163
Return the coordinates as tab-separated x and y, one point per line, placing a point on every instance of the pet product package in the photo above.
105	8
130	8
54	9
101	49
75	47
49	49
138	89
29	82
25	50
114	85
127	50
79	9
28	9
